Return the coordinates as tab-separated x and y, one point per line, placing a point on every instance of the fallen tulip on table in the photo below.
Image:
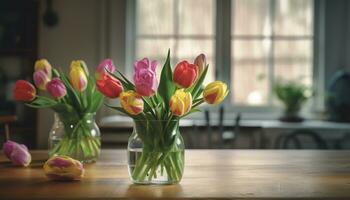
63	168
17	153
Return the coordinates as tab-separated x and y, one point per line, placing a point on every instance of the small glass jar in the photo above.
156	156
78	138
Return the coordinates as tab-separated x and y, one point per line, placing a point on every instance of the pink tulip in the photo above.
145	77
56	88
41	78
102	68
17	153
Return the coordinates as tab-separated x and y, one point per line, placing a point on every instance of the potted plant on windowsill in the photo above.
293	95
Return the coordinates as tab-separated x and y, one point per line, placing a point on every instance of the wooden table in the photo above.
209	174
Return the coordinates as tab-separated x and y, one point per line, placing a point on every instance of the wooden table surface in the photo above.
209	174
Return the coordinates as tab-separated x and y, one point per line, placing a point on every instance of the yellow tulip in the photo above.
131	102
180	103
44	65
215	92
77	76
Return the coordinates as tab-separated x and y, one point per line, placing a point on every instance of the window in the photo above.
187	27
270	39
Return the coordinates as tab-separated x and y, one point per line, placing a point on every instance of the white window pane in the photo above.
196	17
293	60
249	73
188	49
294	17
251	17
155	17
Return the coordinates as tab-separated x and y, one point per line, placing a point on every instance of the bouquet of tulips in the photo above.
73	97
157	106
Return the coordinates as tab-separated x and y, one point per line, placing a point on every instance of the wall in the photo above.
337	32
82	33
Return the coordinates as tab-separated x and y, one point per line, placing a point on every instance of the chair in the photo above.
294	137
6	120
224	136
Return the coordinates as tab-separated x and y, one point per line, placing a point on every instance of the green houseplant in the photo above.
293	95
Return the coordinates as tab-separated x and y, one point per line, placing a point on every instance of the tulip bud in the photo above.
77	76
56	88
63	168
145	77
109	86
24	91
40	79
103	67
185	74
215	92
181	102
17	153
201	62
131	102
44	65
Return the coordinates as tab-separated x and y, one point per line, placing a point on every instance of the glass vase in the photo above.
76	137
156	152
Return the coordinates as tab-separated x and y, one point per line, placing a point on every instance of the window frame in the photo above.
222	52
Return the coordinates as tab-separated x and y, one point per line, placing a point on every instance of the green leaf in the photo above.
55	73
89	92
119	109
130	85
97	102
127	85
166	86
61	108
198	85
42	102
193	110
72	95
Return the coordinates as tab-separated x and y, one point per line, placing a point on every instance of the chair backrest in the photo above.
295	138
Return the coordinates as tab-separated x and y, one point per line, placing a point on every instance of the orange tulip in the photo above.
131	102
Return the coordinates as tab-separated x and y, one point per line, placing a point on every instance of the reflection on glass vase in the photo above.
157	161
76	137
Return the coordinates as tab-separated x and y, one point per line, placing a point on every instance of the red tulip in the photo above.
185	74
24	91
109	86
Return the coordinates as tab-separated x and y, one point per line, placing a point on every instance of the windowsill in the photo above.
198	119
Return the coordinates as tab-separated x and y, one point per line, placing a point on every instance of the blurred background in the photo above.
286	62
